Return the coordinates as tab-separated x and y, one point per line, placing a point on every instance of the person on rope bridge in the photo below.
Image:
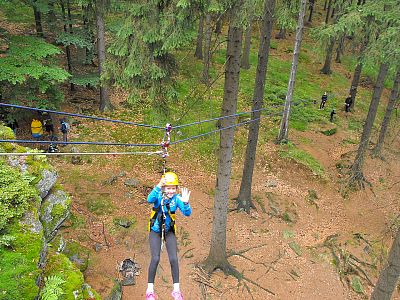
162	228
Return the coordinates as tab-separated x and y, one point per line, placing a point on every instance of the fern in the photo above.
53	288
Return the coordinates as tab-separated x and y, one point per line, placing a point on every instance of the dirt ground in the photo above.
262	244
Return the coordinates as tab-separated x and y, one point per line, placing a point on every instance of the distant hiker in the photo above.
324	98
13	124
36	128
333	112
64	128
162	228
347	103
48	125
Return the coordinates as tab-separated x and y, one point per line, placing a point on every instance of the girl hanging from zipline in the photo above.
162	228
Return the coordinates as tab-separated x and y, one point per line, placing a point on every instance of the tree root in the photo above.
228	269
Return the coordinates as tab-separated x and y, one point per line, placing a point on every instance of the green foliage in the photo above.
53	288
356	285
286	13
303	158
77	39
15	194
330	131
27	70
86	80
141	57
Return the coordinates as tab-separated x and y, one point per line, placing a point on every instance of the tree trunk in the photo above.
312	2
356	179
245	63
207	51
283	132
390	275
38	20
217	257
325	3
89	52
244	198
218	24
105	103
357	73
199	45
281	34
51	17
328	11
67	48
340	49
326	69
394	96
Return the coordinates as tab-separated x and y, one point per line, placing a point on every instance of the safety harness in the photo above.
161	217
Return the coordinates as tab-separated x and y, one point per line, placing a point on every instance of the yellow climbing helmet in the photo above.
171	178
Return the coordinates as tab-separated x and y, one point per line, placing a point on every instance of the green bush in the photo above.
15	193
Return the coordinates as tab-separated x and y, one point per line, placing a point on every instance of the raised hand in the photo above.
185	195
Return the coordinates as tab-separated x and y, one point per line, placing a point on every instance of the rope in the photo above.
79	143
224	117
224	128
81	116
81	153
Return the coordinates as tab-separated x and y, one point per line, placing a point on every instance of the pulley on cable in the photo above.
164	145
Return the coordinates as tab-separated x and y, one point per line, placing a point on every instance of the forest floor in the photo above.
304	241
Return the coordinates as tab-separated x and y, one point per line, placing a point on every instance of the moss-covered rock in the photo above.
78	254
55	209
74	286
19	264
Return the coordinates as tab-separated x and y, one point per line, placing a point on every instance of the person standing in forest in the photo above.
64	128
162	228
347	103
324	98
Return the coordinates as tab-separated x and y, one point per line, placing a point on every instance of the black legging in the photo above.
155	248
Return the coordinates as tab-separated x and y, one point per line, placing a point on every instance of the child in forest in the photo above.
162	228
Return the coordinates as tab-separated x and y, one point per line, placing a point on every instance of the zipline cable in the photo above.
225	117
80	143
81	116
79	153
221	129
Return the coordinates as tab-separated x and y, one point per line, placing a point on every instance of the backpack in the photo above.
64	127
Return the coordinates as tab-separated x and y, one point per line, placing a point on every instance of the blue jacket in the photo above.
175	202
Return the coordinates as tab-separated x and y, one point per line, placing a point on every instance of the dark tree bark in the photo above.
284	128
281	34
390	275
218	24
207	51
325	4
105	103
51	17
245	63
340	49
394	96
328	11
312	3
67	48
326	69
244	198
89	52
199	45
38	20
357	73
356	179
217	257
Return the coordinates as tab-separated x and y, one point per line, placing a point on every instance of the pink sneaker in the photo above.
177	295
151	296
